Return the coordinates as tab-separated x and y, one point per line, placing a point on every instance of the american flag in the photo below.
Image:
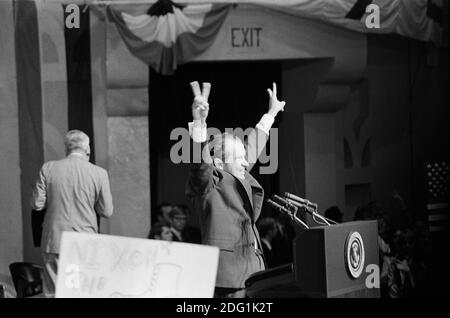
437	178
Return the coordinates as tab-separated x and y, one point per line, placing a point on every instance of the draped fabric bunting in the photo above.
417	19
169	33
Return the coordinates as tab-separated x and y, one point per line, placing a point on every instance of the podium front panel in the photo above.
332	261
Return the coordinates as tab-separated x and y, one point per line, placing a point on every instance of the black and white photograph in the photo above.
223	155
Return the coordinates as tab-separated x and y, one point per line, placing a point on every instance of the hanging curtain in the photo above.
169	34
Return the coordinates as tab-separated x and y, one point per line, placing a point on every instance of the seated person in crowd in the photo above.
334	213
161	231
384	236
384	251
369	211
360	213
398	212
268	229
163	213
397	270
192	233
182	232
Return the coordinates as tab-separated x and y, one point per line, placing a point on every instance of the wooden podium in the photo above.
329	261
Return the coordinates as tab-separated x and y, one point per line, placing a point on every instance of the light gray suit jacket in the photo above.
73	191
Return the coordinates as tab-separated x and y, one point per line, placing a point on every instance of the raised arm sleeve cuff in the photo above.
266	123
198	131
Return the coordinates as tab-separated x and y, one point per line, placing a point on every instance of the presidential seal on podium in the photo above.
354	254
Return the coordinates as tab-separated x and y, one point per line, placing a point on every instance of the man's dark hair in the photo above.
185	208
161	206
177	210
334	213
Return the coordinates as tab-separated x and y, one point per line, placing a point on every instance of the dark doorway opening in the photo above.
238	99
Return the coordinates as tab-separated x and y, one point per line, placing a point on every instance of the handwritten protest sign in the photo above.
96	265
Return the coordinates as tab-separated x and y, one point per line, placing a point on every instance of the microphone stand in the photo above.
291	214
312	211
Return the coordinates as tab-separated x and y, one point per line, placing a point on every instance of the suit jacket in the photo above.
192	235
228	209
73	191
189	234
37	220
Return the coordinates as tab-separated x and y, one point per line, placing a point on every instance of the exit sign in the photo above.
246	38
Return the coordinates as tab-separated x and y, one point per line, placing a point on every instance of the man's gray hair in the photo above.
76	140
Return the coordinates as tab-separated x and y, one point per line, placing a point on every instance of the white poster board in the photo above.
103	266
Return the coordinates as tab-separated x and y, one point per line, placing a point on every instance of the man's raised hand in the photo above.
200	106
274	104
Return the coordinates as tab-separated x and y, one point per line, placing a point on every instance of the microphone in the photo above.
285	202
298	199
295	198
307	205
277	206
302	206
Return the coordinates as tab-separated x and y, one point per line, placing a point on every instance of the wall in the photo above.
127	138
11	248
42	99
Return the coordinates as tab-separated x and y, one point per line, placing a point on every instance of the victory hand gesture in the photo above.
274	104
200	106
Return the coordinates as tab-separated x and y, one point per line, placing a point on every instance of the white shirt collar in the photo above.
176	232
78	154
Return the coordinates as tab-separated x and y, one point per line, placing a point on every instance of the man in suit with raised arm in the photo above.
227	198
74	191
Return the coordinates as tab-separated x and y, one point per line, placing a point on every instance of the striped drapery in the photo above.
166	33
